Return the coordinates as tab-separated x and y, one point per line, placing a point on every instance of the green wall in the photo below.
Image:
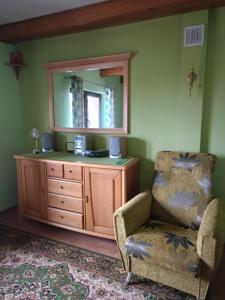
62	106
189	109
154	75
213	125
161	114
10	127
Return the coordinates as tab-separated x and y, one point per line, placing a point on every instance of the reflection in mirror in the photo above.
88	99
89	95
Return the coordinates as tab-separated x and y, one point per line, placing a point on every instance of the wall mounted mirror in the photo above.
89	95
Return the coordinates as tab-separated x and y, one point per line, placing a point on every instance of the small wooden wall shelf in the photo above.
17	68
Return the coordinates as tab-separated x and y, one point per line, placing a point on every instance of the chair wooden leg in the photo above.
128	279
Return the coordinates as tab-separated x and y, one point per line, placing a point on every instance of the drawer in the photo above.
65	202
66	188
55	170
73	172
65	217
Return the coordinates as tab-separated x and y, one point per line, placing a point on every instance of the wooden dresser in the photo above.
73	192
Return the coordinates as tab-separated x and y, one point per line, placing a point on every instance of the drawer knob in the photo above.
62	187
70	171
62	202
52	169
62	217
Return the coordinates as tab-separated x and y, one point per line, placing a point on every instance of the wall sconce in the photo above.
193	36
192	77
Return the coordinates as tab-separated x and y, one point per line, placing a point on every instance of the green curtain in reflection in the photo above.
77	101
109	108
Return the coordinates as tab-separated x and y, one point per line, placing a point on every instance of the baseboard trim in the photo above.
8	210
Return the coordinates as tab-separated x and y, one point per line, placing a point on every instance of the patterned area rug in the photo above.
33	267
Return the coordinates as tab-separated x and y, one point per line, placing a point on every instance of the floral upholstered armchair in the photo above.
174	234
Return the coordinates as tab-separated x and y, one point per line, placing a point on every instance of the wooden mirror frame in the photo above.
119	62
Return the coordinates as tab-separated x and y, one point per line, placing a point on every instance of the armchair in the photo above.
174	234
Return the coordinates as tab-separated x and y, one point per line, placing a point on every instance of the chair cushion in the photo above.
170	246
182	187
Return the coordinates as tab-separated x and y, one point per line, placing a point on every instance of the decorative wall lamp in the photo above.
192	77
16	61
193	37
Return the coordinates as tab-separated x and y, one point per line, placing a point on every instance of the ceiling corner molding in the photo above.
100	15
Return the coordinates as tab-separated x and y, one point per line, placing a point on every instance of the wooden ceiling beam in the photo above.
100	15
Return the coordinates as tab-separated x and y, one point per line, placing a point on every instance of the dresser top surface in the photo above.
69	157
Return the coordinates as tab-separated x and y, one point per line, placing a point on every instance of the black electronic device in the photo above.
96	153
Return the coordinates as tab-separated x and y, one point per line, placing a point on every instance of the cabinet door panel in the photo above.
33	178
103	197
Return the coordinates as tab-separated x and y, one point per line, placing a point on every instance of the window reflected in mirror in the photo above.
92	109
88	99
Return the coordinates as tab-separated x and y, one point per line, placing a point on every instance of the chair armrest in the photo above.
212	233
133	214
128	218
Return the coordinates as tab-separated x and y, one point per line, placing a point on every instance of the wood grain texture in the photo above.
86	206
66	188
65	202
19	189
103	189
73	172
33	188
79	163
65	217
109	13
117	71
44	192
84	231
55	170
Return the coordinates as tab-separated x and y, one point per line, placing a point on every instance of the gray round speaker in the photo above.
47	142
117	146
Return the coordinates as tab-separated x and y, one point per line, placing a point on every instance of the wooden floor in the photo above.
100	245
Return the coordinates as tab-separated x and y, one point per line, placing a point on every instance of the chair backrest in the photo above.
182	187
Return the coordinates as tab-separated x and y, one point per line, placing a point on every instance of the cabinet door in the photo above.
34	188
103	196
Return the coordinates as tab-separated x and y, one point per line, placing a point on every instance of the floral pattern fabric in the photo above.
108	119
182	187
33	268
170	246
77	101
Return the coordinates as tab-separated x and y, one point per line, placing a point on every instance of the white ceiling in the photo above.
17	10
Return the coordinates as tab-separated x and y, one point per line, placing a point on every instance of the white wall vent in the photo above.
194	35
